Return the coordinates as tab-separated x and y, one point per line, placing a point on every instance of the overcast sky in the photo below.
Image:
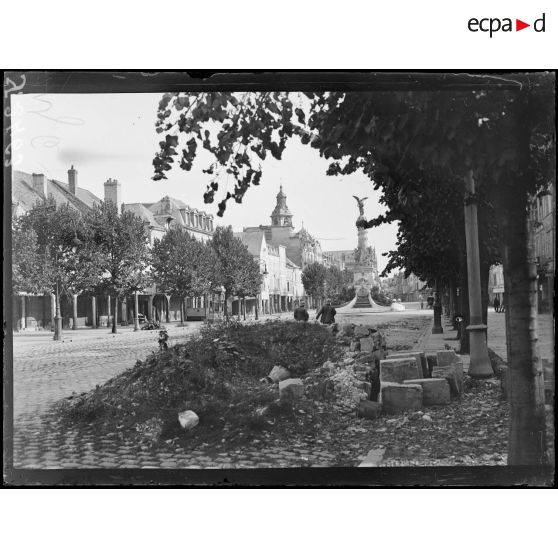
113	136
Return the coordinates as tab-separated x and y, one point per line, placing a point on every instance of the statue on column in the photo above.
361	218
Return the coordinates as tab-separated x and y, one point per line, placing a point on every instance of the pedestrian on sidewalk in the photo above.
301	314
421	302
327	313
496	304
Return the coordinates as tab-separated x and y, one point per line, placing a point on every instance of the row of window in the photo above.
542	207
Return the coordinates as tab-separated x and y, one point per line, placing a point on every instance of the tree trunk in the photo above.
226	308
115	315
244	308
463	305
527	444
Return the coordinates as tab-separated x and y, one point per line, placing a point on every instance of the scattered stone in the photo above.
188	419
399	370
354	346
369	409
373	458
291	389
445	358
348	329
348	361
426	418
398	398
278	374
150	429
365	386
365	358
418	355
361	331
367	344
453	373
435	391
361	367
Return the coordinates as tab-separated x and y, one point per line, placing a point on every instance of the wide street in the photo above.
46	371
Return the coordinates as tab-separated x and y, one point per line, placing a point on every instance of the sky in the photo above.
113	136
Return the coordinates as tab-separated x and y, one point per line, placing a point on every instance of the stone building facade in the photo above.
37	312
301	247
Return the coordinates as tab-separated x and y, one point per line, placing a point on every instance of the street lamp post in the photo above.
136	310
480	363
57	316
437	311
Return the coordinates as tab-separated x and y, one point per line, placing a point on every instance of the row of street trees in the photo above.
433	155
322	282
58	250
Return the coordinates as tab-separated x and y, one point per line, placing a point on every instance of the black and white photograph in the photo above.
279	278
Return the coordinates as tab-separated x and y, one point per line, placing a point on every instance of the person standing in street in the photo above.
327	313
496	304
301	314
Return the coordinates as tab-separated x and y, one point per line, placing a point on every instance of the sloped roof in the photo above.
252	240
26	197
139	210
291	264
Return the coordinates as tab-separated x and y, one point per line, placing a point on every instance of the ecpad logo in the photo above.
493	25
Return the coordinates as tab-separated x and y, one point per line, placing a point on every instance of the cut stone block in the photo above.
278	374
398	370
366	344
354	346
435	391
365	386
373	458
453	373
398	398
291	389
445	358
361	331
418	355
379	340
365	358
369	409
431	361
188	419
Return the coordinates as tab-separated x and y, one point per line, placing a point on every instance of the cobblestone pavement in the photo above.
45	372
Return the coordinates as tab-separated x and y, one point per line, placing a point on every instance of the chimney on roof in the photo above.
113	192
40	185
72	180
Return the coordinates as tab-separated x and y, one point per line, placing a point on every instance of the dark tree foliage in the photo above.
411	145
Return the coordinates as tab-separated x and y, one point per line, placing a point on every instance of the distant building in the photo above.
281	279
407	289
543	230
301	247
543	219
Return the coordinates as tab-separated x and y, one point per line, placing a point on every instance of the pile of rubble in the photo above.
369	380
374	382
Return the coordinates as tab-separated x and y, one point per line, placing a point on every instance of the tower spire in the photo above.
281	216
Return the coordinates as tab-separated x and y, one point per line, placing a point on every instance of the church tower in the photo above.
281	216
